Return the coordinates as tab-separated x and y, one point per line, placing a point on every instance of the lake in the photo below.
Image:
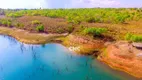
52	61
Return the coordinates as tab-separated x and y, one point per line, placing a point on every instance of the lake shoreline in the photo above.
119	68
43	38
124	57
28	37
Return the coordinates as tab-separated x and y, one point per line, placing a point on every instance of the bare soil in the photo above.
123	56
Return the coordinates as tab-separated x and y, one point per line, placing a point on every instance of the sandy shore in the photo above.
28	37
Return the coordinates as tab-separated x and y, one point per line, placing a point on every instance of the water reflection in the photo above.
20	61
12	40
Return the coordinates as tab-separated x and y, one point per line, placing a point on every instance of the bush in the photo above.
6	22
70	28
69	20
90	20
9	24
15	15
134	38
94	31
40	28
19	25
36	22
77	20
60	30
120	19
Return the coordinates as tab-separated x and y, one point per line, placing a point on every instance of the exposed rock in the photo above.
74	49
83	45
137	45
139	55
124	57
107	43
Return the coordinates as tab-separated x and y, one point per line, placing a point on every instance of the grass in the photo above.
51	25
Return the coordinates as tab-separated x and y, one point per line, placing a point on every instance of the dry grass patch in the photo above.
118	31
51	25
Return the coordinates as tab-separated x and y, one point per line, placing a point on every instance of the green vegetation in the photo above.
115	22
14	15
94	31
6	22
19	25
134	38
105	15
70	28
36	22
40	28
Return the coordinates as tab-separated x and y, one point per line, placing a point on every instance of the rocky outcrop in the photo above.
124	56
83	45
137	45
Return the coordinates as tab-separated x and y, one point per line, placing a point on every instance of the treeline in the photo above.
101	15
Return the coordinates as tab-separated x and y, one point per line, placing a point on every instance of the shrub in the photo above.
77	20
94	31
82	27
40	28
35	22
6	22
19	25
35	14
70	28
69	20
9	24
134	38
90	20
15	15
60	30
128	36
120	19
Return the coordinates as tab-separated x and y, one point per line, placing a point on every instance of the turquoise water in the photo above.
50	62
